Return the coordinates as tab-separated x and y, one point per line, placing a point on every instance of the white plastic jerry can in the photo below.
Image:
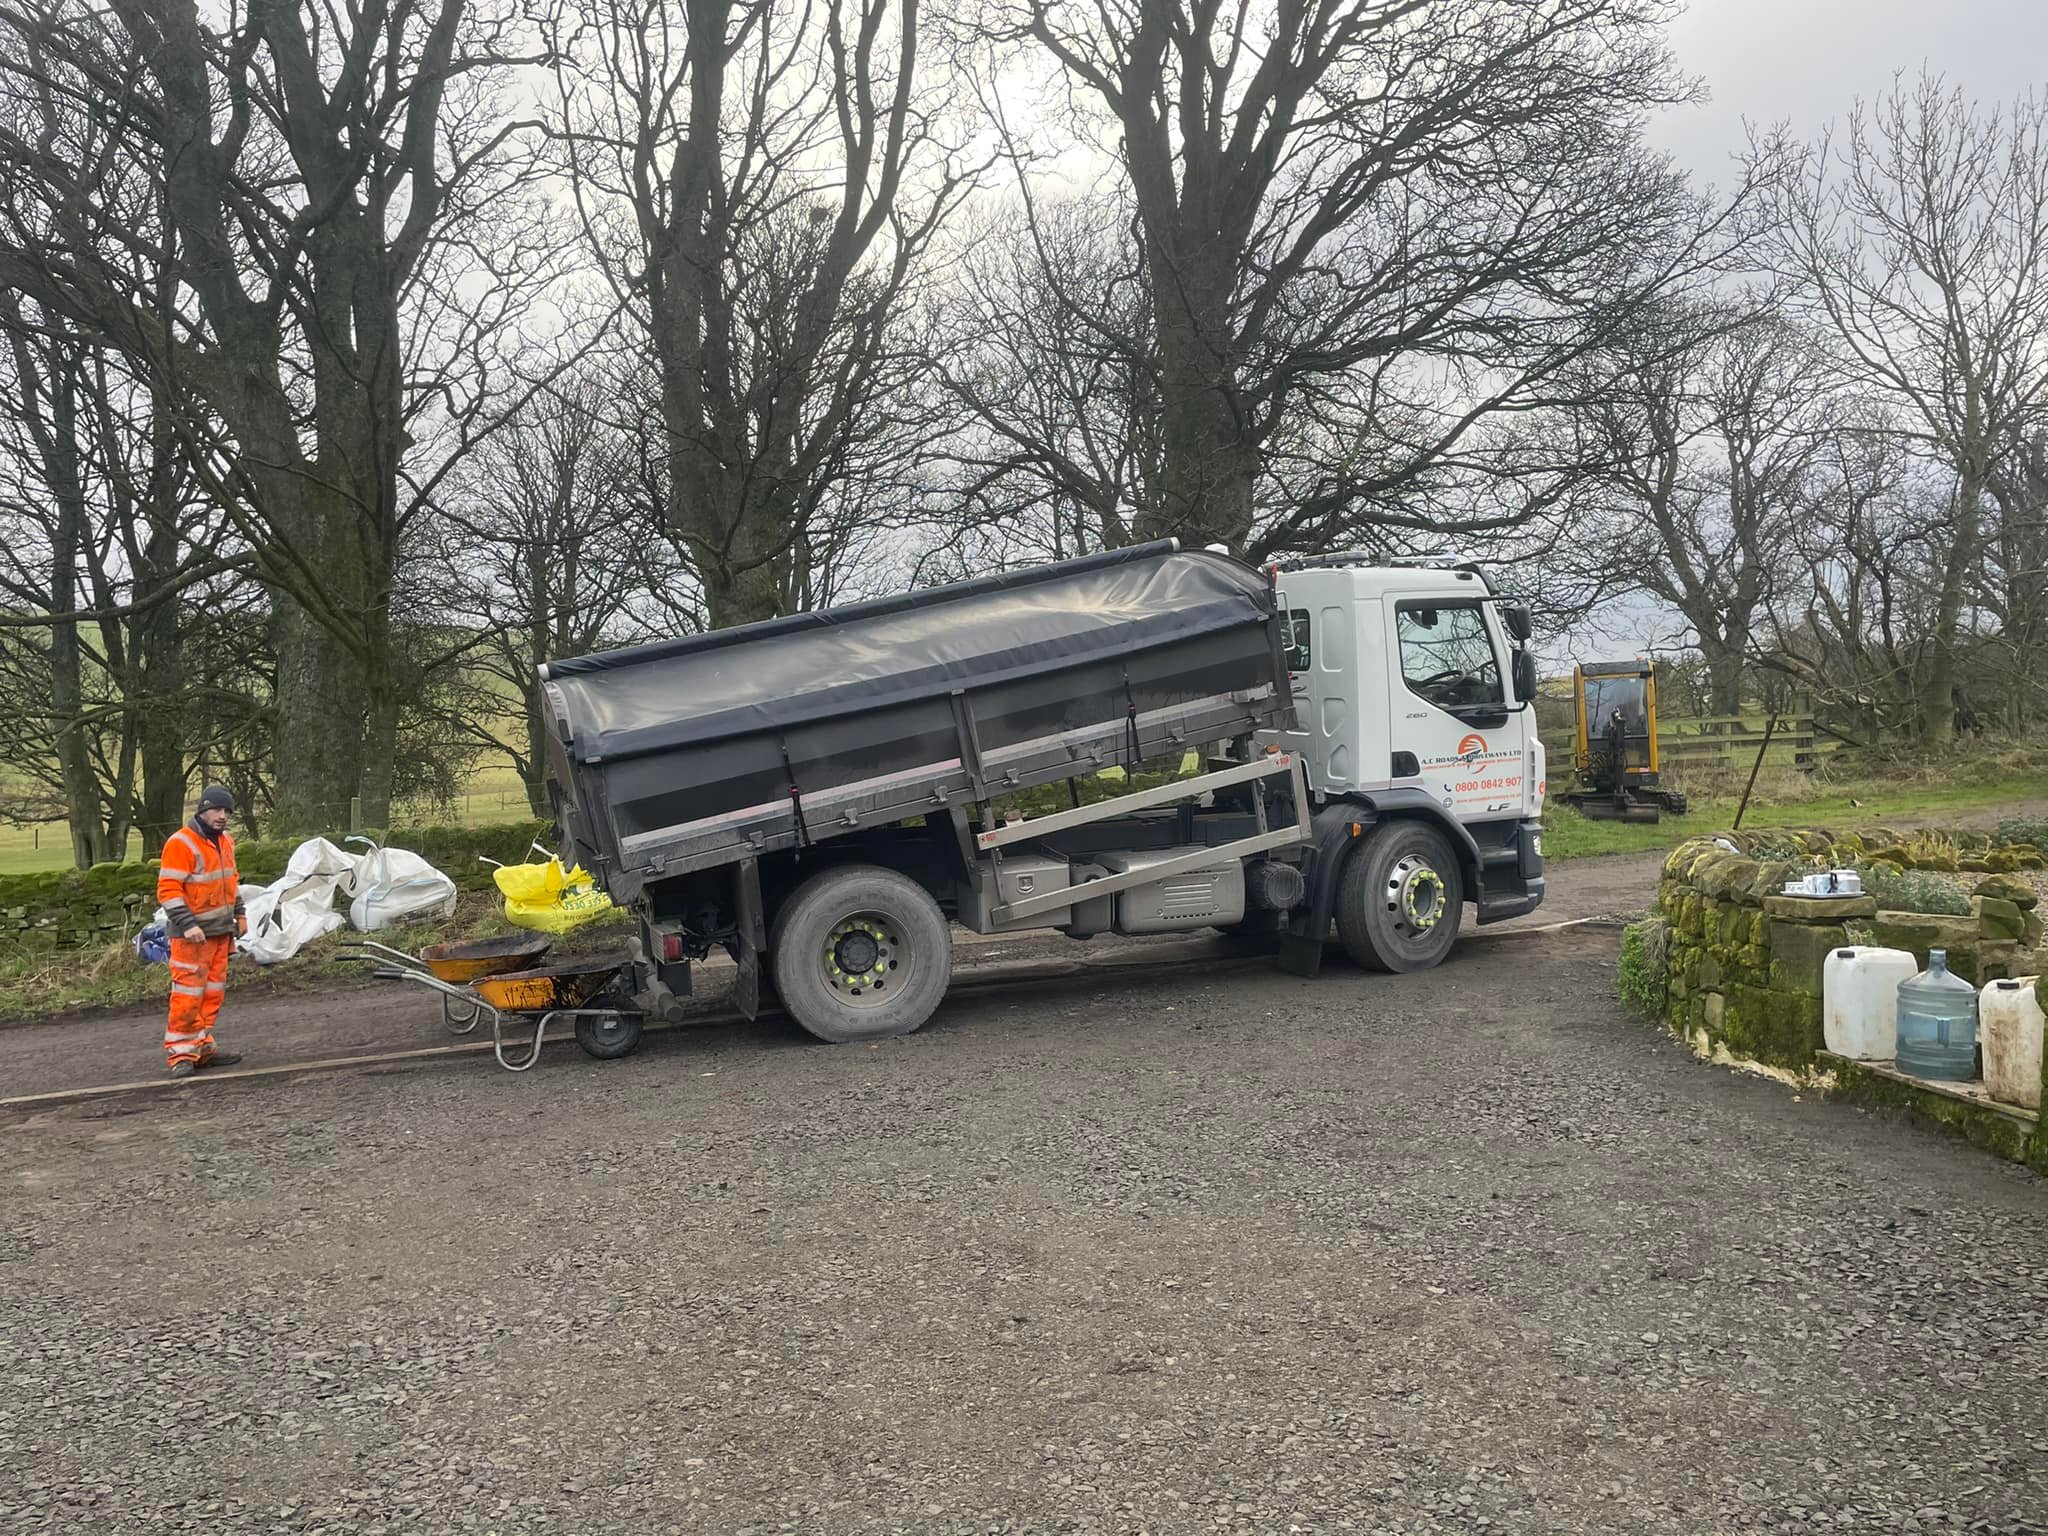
1859	990
2009	1027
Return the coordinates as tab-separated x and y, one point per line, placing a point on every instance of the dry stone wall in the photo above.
77	909
1740	964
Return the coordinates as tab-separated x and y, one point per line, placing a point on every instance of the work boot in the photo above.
222	1059
184	1068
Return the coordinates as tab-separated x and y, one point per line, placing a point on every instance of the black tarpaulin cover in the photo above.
841	661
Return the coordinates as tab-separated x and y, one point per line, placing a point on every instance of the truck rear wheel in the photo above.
1401	898
861	953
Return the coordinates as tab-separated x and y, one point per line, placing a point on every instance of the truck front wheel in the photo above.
1401	898
861	953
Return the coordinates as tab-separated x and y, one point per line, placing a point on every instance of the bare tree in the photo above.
762	184
1377	229
546	546
97	513
1854	610
1919	239
310	162
1048	361
1707	421
2014	583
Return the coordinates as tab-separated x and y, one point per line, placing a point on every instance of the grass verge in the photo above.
1568	835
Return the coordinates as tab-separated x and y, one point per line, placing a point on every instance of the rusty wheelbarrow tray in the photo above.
469	959
554	986
590	992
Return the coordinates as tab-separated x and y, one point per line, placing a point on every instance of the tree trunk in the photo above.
1938	687
83	802
331	727
1209	474
1210	461
320	707
741	596
533	768
153	649
379	744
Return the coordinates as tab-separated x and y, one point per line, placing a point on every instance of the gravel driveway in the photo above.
1465	1251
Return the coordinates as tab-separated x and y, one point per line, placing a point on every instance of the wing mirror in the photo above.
1525	675
1520	625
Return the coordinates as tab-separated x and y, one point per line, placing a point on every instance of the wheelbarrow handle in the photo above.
385	953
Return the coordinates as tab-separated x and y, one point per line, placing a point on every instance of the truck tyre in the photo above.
1401	898
861	953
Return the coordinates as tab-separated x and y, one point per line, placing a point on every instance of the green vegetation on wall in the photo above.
74	908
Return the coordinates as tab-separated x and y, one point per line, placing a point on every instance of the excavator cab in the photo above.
1616	744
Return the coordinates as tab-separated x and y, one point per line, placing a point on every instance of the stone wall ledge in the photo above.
1966	1109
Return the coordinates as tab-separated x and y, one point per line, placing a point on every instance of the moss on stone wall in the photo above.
76	908
1743	963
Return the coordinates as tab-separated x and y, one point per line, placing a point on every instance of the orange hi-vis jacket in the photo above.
197	883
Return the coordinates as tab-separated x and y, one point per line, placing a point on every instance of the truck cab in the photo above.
1414	696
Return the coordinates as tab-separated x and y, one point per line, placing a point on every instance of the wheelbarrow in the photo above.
590	992
463	962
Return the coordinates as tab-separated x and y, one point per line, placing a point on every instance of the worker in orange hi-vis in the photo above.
202	900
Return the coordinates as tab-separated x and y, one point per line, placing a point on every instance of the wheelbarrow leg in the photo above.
460	1023
532	1055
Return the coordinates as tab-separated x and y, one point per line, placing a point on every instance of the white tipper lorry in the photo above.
819	795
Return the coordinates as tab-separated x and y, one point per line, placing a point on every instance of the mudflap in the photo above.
1301	944
746	991
1300	956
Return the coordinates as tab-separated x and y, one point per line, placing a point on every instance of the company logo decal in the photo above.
1473	745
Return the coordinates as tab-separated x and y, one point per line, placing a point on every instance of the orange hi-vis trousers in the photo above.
199	984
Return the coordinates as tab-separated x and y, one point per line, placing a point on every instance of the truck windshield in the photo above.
1447	655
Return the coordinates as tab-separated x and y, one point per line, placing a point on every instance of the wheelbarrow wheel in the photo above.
610	1031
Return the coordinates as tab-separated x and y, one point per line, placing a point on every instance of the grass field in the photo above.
1568	835
492	796
1968	781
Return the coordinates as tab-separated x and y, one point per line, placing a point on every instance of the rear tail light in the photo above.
671	946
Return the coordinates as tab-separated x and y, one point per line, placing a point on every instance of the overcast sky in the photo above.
1806	61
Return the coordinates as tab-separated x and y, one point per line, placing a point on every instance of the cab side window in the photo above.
1294	636
1447	655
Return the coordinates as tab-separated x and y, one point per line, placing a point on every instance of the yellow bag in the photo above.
547	898
531	884
574	908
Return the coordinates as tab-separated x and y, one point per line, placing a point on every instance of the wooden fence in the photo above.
1733	739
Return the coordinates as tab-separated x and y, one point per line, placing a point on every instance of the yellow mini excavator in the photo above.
1616	744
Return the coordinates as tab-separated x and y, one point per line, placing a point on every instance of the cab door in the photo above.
1452	706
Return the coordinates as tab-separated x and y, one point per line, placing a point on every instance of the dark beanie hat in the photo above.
216	797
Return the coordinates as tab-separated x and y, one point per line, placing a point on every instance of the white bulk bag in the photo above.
297	907
394	886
